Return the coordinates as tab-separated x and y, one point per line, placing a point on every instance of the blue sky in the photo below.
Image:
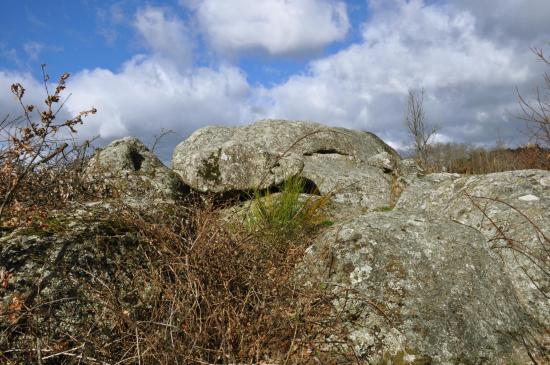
149	66
85	34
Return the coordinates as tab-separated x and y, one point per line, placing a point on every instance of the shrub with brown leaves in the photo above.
37	165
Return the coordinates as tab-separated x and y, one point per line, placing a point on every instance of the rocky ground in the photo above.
438	268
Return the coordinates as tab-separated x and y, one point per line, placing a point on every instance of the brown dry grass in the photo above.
464	159
231	296
208	294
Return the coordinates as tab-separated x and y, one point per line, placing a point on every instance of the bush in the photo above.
202	291
37	165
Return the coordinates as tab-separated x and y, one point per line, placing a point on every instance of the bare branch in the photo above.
536	113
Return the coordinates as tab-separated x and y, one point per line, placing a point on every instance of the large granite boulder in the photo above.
127	165
419	290
356	166
510	209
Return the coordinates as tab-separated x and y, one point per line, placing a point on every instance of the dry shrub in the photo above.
192	290
220	295
50	187
203	291
465	159
39	168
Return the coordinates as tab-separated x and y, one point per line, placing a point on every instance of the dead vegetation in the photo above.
419	131
204	293
39	163
465	159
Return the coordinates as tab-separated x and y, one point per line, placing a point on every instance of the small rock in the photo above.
529	198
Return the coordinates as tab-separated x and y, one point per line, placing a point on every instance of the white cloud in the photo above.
148	95
164	35
411	45
34	93
277	27
522	21
150	92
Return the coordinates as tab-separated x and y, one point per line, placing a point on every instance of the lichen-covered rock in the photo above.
128	166
511	209
408	166
264	154
427	289
382	160
51	273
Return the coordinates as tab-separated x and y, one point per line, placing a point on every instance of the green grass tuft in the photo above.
287	211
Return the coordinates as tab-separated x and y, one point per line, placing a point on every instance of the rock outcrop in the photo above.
421	286
511	209
54	269
455	272
357	166
128	166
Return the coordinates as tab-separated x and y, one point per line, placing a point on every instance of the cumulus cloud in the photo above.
524	22
412	45
164	35
148	95
278	27
150	92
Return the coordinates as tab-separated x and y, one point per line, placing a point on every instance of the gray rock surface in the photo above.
357	165
430	290
55	268
128	166
511	209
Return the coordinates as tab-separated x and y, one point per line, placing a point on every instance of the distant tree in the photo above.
415	121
